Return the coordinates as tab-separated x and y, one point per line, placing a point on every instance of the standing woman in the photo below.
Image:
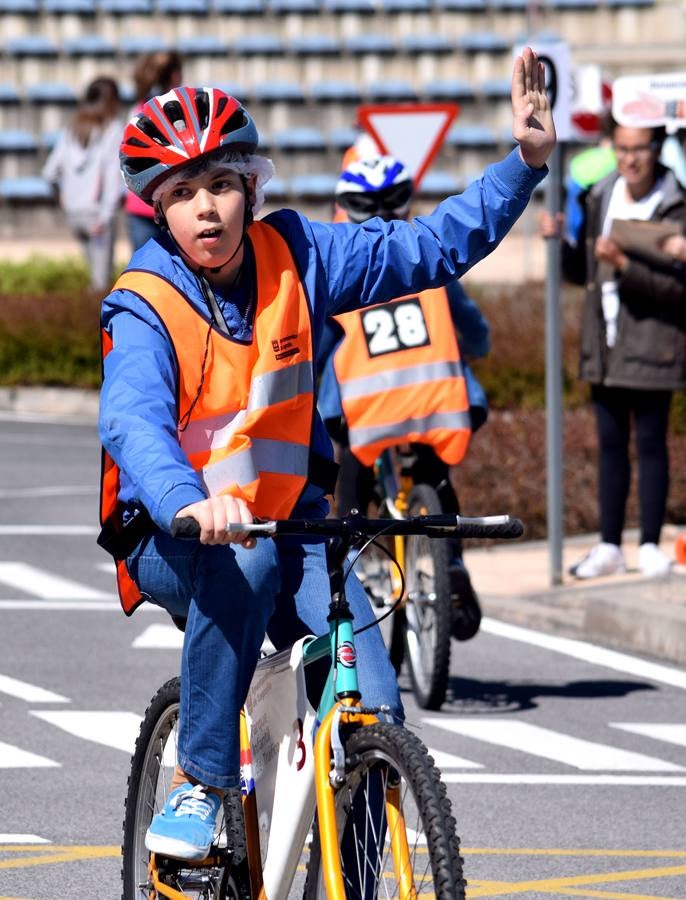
83	169
155	73
633	343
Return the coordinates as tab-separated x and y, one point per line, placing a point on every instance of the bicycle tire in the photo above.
393	753
152	764
428	609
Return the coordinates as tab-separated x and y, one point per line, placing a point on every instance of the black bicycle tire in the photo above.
162	708
423	499
403	750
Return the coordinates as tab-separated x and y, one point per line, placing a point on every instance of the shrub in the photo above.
40	275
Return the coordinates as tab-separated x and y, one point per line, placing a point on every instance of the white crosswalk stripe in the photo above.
445	760
15	758
22	839
118	730
672	734
554	745
46	585
22	690
159	637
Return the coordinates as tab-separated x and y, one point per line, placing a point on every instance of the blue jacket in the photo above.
343	267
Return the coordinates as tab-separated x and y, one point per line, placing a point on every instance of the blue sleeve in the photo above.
138	411
473	331
377	261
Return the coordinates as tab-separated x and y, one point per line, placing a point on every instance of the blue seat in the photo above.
496	88
9	96
26	189
21	7
509	5
70	7
238	7
31	45
379	44
305	138
427	43
398	6
636	3
505	137
89	45
471	136
276	91
349	6
258	45
573	4
304	7
453	89
49	138
233	89
126	7
316	185
461	5
335	92
391	92
202	45
315	45
51	92
482	41
16	140
134	46
275	187
182	7
440	184
342	138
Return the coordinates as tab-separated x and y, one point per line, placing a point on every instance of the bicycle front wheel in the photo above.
428	609
397	836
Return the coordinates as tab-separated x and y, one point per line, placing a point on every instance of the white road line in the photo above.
16	758
29	692
548	744
450	761
611	659
108	567
670	781
672	734
118	730
111	605
48	491
39	583
156	637
22	839
47	530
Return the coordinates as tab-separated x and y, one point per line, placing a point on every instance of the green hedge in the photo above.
49	334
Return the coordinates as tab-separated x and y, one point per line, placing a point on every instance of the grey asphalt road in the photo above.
566	772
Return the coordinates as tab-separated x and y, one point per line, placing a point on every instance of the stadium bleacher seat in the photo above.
466	6
428	42
399	6
126	7
202	45
495	88
51	92
482	42
18	149
19	7
31	45
341	138
471	136
258	45
303	7
136	45
233	89
320	184
391	92
238	7
25	189
278	91
336	92
182	7
363	7
378	44
70	7
438	183
9	95
293	139
275	188
89	45
449	90
315	45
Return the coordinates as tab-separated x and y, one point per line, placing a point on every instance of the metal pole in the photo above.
553	376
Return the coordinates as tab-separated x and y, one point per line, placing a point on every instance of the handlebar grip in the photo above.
511	529
185	527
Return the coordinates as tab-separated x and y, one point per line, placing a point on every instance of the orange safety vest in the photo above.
400	377
248	433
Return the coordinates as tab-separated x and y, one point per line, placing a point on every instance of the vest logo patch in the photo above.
285	346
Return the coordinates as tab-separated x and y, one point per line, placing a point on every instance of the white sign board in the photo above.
558	78
648	101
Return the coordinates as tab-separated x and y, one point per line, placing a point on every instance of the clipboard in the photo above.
638	238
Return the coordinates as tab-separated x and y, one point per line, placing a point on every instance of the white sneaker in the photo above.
603	559
652	561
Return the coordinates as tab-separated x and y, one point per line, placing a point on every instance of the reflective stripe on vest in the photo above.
401	379
248	433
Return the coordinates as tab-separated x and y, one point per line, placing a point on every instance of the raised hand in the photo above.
532	126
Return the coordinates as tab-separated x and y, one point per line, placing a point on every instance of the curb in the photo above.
646	617
50	401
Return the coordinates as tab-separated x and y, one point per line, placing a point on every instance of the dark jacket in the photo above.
650	349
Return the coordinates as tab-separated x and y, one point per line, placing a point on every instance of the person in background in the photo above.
380	186
155	73
633	342
83	169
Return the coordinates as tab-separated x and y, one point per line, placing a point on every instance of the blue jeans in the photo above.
230	597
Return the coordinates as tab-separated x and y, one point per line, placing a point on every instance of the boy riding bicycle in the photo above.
208	407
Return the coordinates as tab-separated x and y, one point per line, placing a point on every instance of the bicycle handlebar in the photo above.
437	526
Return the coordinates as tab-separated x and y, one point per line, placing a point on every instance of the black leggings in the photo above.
614	408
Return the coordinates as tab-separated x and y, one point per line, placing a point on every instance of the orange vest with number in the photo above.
248	433
400	377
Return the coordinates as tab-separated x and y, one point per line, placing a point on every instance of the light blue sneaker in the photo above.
186	826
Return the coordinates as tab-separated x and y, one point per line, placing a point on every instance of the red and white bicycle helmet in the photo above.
178	127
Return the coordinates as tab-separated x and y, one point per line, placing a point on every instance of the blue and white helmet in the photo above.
375	186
